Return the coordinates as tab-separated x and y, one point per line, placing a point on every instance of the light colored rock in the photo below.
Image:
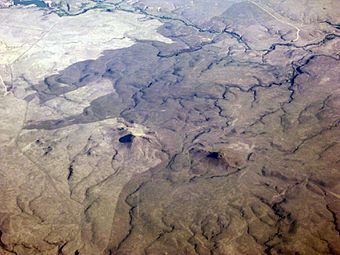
53	42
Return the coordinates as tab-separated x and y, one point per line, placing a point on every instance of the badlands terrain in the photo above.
149	127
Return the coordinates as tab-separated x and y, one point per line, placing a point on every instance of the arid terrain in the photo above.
178	127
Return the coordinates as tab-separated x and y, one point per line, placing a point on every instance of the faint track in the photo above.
270	12
35	43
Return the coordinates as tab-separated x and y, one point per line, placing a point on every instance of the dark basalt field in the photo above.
239	153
